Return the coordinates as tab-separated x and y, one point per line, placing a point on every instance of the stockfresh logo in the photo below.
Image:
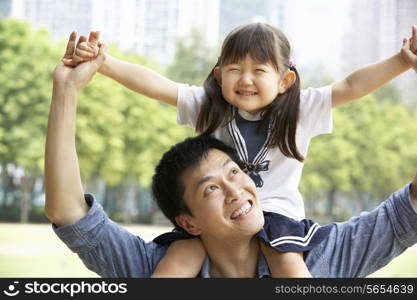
11	290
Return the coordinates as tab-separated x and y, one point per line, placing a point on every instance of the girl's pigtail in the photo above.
284	111
214	111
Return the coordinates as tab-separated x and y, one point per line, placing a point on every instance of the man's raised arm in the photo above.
64	195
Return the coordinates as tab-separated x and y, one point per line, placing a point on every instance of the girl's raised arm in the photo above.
367	79
141	80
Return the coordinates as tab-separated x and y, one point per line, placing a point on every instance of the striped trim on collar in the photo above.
301	241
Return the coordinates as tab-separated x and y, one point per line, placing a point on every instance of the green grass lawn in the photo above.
404	265
29	250
33	250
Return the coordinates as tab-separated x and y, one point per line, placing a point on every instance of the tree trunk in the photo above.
27	186
25	207
8	186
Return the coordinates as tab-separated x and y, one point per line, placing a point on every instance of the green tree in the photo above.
388	92
27	59
367	157
193	60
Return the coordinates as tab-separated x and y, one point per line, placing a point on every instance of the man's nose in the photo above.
233	193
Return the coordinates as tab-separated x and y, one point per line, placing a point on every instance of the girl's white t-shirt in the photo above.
279	192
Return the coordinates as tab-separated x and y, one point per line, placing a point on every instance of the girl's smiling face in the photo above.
250	85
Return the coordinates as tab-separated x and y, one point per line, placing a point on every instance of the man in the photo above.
204	187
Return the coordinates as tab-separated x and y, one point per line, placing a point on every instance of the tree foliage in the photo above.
193	60
27	60
368	156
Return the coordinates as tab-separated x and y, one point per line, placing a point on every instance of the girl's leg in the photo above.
183	259
285	264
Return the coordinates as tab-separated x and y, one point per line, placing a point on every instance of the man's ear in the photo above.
186	222
217	75
287	80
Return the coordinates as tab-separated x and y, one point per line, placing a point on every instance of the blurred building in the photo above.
59	17
376	32
168	20
200	14
5	8
316	31
234	13
278	13
147	27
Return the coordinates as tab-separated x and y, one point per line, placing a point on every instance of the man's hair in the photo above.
167	186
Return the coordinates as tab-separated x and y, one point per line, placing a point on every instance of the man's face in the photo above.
221	198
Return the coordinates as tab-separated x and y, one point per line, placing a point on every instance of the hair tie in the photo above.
291	65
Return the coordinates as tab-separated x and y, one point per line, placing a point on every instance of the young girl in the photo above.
252	101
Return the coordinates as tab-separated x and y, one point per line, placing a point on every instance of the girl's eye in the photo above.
231	67
260	70
234	172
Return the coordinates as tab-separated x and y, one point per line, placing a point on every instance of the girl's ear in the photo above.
217	75
186	222
287	80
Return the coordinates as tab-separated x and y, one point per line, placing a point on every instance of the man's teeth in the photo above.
243	210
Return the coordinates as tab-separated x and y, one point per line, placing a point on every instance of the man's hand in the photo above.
68	72
409	49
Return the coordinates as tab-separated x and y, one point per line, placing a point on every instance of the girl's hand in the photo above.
84	50
409	49
69	74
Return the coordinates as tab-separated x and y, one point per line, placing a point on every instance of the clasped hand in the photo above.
75	71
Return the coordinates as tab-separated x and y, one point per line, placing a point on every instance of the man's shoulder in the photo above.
107	248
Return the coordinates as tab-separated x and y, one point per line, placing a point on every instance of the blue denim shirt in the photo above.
111	251
355	248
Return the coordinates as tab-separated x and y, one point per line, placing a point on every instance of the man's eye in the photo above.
260	70
234	172
211	188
